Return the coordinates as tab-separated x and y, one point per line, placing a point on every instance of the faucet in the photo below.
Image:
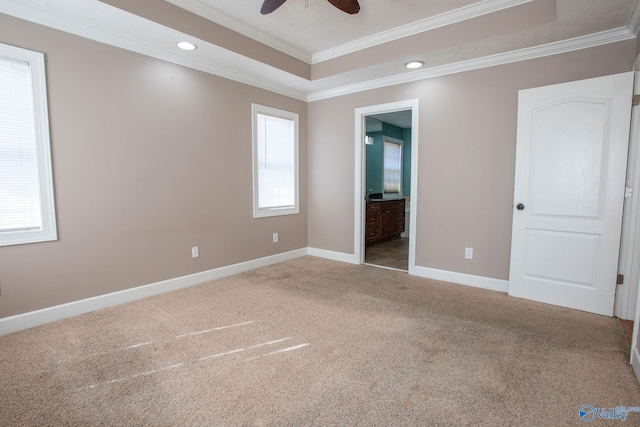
368	195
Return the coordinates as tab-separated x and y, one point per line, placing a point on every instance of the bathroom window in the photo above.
27	212
392	159
275	162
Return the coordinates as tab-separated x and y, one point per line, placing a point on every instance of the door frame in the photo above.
360	180
629	263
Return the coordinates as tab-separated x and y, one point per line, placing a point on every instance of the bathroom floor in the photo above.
392	254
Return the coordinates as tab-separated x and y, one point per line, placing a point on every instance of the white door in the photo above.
571	159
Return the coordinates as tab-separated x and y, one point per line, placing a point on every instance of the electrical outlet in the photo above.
468	253
195	253
275	237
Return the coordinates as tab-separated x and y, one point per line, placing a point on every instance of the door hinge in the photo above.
636	100
620	279
628	191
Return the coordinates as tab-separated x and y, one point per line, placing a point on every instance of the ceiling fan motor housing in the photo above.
349	6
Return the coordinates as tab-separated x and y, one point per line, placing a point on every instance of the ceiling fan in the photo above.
348	6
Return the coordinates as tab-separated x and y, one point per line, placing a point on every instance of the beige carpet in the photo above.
315	342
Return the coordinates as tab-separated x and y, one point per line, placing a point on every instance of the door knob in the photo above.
520	206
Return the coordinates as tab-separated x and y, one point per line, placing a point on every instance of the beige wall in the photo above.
179	19
467	132
149	159
470	33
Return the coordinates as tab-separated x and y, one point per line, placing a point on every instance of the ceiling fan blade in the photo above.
349	6
270	5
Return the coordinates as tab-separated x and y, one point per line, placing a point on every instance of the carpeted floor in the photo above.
316	342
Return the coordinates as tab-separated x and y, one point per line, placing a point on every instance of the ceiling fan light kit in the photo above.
348	6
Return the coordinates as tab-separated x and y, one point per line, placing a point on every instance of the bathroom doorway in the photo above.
386	175
387	183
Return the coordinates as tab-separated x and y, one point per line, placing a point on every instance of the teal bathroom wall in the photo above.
374	158
406	162
374	163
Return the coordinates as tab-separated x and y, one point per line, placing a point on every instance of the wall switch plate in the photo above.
195	253
275	237
468	253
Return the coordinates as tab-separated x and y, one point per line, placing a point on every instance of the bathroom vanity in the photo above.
384	220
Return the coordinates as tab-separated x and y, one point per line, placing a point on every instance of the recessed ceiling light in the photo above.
186	46
414	64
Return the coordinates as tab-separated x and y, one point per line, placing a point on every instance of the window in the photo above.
27	212
392	158
275	162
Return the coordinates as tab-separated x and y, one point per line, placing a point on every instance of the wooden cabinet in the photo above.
384	220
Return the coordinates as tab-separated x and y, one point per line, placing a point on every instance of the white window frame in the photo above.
401	144
257	109
48	231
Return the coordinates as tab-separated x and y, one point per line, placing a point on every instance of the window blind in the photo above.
276	162
20	207
392	158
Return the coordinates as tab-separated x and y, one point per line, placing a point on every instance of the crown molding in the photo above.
210	14
85	30
128	43
234	75
634	20
464	13
555	48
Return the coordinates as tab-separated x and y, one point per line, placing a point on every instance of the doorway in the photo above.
385	195
387	182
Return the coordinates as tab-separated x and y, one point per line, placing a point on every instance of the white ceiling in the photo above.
309	27
344	53
401	119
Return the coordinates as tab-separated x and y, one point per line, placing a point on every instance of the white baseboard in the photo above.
334	256
635	361
463	279
429	273
63	311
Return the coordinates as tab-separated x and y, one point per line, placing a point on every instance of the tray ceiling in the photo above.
310	50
